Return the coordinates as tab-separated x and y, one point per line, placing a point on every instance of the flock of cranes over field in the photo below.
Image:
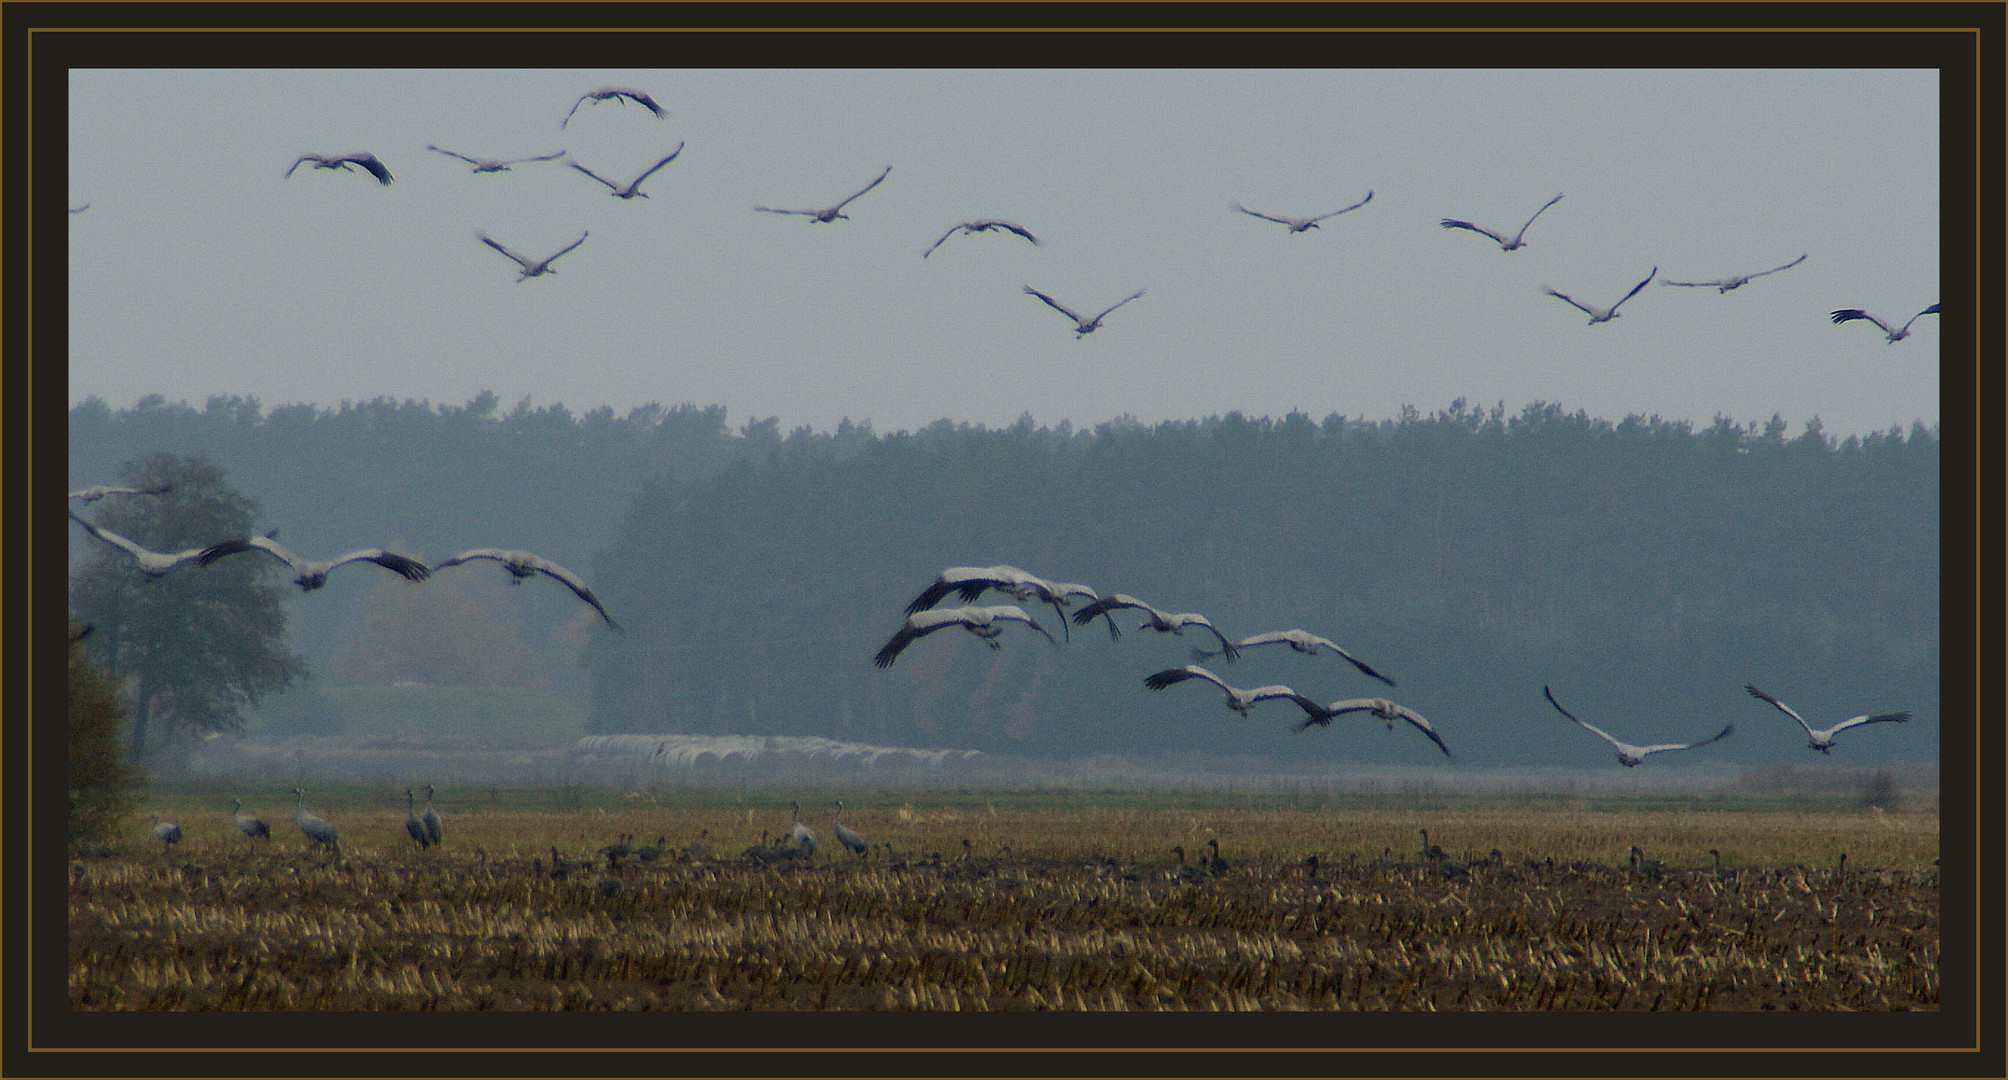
369	164
311	574
969	583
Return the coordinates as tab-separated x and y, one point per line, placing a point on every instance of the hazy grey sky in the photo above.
203	272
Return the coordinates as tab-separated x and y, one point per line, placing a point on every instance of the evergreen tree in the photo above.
102	788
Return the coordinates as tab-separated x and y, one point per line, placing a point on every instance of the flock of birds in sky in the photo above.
310	574
528	267
987	623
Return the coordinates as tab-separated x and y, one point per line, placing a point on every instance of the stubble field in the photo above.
1022	901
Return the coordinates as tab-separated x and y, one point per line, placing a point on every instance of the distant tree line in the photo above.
1651	567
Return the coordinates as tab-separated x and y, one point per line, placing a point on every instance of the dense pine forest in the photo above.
1644	569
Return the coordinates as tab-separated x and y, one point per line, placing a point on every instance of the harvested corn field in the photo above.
1042	908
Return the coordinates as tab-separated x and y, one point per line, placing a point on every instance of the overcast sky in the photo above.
206	273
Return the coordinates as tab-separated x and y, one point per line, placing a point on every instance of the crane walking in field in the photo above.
366	162
1893	334
523	564
1082	327
492	165
1823	739
319	831
829	213
1504	243
1597	314
1299	224
533	268
621	94
971	228
310	575
151	563
851	841
633	189
1161	621
1735	281
251	825
1237	699
1303	642
984	622
1382	709
1630	754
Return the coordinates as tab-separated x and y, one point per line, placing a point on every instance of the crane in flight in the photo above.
523	565
482	165
310	575
1082	327
1304	642
984	622
1299	224
151	563
364	161
1163	622
829	213
1893	335
982	225
1381	709
531	268
1237	699
1630	754
1597	314
1504	243
633	189
1823	739
622	94
1735	281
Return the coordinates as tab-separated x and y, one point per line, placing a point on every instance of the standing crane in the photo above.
1735	281
851	841
522	565
1161	621
803	836
1597	314
1299	224
251	825
167	832
435	830
536	268
492	165
1893	335
1630	754
829	213
1383	710
621	94
310	575
1237	699
1303	642
984	622
319	831
412	825
1082	327
633	189
1504	243
151	563
1823	739
971	228
366	162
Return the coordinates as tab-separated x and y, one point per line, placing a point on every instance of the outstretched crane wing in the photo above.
867	187
1056	305
520	260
